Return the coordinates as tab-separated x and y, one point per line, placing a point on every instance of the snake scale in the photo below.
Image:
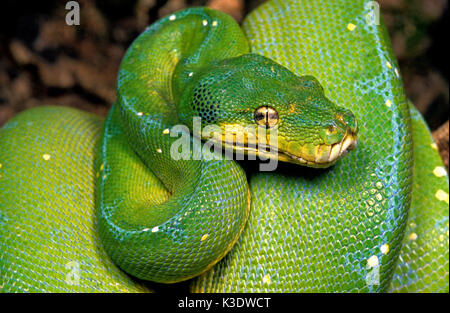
85	201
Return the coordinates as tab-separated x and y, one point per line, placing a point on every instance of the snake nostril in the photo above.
348	120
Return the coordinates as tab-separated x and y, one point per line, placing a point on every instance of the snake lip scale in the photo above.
336	151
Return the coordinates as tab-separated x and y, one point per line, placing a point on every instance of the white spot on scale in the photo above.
384	248
190	74
441	195
172	17
388	103
205	22
412	236
155	229
166	131
214	23
266	279
140	114
159	150
439	171
46	157
373	261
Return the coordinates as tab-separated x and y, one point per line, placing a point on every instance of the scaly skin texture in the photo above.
309	230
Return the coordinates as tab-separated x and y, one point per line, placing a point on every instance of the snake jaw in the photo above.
324	155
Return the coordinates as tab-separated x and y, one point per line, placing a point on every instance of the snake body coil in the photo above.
345	228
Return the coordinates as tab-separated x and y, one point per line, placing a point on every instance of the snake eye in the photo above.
266	116
331	130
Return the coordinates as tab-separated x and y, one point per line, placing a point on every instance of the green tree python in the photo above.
90	205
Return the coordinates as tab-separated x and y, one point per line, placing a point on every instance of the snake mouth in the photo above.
322	157
325	155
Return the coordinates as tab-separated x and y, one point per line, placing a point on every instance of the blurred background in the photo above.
45	61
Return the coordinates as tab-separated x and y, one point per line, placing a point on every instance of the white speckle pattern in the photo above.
266	279
214	23
205	22
413	236
140	114
388	103
46	157
172	17
204	237
155	229
166	131
190	74
159	150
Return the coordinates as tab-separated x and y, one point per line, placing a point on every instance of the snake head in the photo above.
262	108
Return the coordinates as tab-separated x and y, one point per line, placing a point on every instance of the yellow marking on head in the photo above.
102	167
351	27
166	131
439	171
434	146
266	279
46	157
0	165
204	237
412	236
373	261
388	64
340	117
292	108
388	103
441	195
385	248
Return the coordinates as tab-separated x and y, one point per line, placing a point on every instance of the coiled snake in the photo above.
377	220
